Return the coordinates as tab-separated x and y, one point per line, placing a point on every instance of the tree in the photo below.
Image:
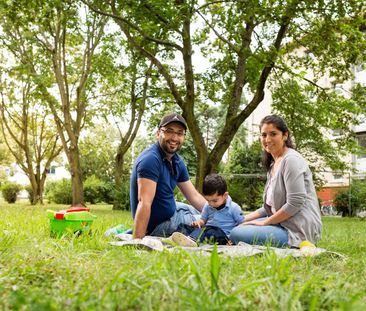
242	42
97	150
54	43
28	132
5	155
245	176
5	160
312	114
123	87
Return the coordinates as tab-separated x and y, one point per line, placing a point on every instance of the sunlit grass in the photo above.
38	272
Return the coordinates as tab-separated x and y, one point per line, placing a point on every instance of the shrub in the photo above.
246	191
59	192
121	196
29	189
94	189
351	201
10	191
108	192
342	202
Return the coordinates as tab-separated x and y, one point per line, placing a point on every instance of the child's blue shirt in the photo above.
226	218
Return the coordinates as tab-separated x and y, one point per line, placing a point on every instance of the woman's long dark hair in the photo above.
281	125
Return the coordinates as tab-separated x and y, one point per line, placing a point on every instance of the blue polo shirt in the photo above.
226	218
153	165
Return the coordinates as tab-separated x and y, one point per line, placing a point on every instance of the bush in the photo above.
109	192
341	203
10	191
246	191
29	189
351	201
122	196
59	192
95	190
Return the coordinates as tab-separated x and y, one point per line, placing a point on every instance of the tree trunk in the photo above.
201	165
34	196
37	195
118	179
76	176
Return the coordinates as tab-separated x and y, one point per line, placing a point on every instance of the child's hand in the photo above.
197	224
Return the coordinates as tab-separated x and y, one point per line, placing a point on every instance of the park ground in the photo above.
39	272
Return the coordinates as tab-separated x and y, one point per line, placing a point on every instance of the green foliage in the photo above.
97	150
5	155
52	45
353	200
97	190
94	190
59	191
311	114
188	153
10	191
122	196
342	203
3	175
245	177
247	191
29	189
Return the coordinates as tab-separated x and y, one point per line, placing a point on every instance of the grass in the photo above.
38	272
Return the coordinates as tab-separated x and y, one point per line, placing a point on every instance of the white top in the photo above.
269	195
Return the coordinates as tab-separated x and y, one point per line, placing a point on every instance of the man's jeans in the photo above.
185	214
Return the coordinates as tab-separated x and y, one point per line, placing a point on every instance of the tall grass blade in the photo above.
215	269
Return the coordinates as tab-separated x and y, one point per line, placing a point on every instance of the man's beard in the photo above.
167	149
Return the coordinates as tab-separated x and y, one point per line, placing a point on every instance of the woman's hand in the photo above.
256	223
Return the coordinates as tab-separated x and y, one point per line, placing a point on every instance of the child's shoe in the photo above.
183	240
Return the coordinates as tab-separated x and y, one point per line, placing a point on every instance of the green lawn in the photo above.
42	273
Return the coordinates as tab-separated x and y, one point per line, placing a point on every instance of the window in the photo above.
337	176
337	132
338	88
361	140
52	170
360	67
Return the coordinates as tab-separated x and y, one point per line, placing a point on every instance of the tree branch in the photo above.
116	17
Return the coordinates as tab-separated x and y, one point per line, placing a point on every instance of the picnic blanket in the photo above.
151	243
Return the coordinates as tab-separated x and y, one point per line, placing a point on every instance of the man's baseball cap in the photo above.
173	117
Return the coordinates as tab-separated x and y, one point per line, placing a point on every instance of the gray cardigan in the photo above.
294	192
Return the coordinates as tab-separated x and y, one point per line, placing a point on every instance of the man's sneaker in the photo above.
183	240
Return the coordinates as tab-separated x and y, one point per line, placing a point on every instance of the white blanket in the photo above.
241	249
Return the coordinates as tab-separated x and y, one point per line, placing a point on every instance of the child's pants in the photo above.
210	234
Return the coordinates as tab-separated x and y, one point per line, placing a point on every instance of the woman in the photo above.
290	213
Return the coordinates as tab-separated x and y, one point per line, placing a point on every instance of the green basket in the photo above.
59	227
73	223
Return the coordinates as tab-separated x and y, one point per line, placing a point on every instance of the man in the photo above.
155	174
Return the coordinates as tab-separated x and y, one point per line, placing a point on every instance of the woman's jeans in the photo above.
274	235
184	215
